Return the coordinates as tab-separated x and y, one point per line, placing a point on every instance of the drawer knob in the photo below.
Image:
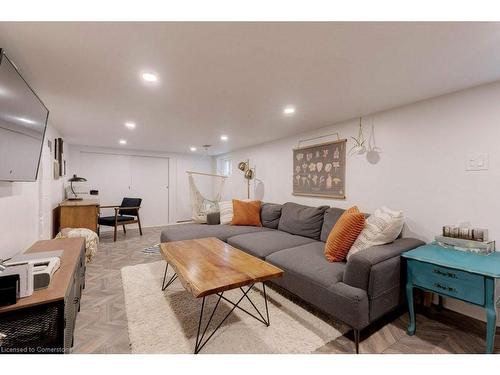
447	274
444	287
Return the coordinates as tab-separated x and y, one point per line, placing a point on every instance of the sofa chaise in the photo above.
357	292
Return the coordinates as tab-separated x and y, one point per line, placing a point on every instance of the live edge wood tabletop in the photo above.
208	265
457	274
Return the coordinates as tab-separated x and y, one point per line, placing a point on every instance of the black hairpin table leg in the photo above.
172	279
200	342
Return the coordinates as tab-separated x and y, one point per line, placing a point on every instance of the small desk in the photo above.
79	214
456	274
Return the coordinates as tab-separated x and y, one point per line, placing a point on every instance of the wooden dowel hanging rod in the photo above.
206	174
319	137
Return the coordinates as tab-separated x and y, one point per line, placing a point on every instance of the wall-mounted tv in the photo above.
23	120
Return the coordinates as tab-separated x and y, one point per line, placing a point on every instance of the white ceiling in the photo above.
235	78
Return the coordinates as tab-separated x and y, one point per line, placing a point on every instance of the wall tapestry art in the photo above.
319	170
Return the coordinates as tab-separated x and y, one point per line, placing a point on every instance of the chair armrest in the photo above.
121	208
359	265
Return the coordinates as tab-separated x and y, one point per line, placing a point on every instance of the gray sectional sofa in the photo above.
356	292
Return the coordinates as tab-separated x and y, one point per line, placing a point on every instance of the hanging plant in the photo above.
359	142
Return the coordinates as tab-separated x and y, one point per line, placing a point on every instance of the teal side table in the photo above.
456	274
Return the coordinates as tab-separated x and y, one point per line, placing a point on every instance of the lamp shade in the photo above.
242	166
249	174
75	178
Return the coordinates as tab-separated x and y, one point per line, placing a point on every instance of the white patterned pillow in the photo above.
226	212
384	226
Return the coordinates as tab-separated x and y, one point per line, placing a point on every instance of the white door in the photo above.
149	177
108	173
118	176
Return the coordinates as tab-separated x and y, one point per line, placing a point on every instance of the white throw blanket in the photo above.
200	205
91	239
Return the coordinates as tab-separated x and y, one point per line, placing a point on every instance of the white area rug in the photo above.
166	322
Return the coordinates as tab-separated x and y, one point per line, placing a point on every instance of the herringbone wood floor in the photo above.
101	325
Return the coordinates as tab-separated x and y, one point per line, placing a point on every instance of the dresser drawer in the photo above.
448	281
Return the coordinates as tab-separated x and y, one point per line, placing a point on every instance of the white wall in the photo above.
179	201
51	191
26	207
423	152
19	218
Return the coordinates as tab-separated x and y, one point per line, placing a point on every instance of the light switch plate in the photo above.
477	162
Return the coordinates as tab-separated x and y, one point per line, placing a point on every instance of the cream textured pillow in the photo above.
226	212
382	227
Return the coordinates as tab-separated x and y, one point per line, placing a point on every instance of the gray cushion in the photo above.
264	243
311	277
329	220
270	214
190	231
302	220
309	260
110	220
213	218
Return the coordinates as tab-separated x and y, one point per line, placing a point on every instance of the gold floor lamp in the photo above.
249	173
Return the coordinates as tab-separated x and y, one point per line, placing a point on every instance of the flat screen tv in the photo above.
23	120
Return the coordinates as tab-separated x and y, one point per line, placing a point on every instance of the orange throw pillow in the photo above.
343	234
246	213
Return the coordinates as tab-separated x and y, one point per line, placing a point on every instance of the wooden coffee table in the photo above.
209	266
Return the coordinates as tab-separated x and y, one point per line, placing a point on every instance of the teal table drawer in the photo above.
448	281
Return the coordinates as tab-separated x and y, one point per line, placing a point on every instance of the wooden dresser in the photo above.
44	322
78	214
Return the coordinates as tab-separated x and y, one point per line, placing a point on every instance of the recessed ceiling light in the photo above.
224	138
122	141
193	149
149	77
289	110
130	125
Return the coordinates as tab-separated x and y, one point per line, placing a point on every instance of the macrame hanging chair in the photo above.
201	205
